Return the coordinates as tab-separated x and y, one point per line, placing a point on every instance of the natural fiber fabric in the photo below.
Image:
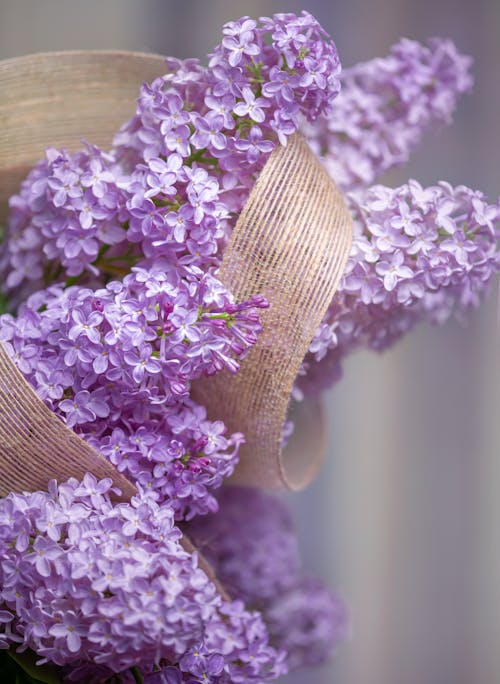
36	446
290	244
58	98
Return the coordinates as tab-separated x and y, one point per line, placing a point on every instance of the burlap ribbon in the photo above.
290	244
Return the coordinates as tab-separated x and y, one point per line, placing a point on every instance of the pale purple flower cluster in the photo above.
386	105
418	254
252	546
116	364
105	588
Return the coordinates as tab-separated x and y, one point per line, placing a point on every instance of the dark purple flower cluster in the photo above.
107	588
252	546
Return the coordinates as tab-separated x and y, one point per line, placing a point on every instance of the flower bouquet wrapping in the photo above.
168	297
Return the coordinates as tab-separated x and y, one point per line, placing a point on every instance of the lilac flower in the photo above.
254	145
64	184
88	210
78	244
68	627
83	408
85	324
161	180
238	40
97	178
222	106
252	546
104	220
410	244
252	106
308	621
208	132
170	111
177	140
145	215
122	392
393	270
179	221
142	362
92	488
169	675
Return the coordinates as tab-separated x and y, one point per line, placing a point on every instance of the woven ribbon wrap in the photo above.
290	244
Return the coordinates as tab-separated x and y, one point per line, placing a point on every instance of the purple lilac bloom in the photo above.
69	208
308	621
116	364
386	105
171	185
252	546
103	595
418	255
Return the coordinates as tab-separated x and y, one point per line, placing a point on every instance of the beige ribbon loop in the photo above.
36	446
290	244
55	99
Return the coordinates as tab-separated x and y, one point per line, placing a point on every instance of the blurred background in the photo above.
405	519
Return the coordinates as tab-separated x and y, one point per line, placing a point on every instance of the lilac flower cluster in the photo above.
418	254
182	168
116	364
252	546
385	107
69	212
108	588
308	621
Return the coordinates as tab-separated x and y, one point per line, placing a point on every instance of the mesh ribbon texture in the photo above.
290	244
56	99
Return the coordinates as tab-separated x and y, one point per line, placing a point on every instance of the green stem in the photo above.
223	316
106	267
137	675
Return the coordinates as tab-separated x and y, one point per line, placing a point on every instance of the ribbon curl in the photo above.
290	244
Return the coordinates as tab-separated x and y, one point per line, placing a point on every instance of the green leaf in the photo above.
34	673
4	306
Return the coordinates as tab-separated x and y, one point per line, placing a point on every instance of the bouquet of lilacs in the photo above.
114	309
